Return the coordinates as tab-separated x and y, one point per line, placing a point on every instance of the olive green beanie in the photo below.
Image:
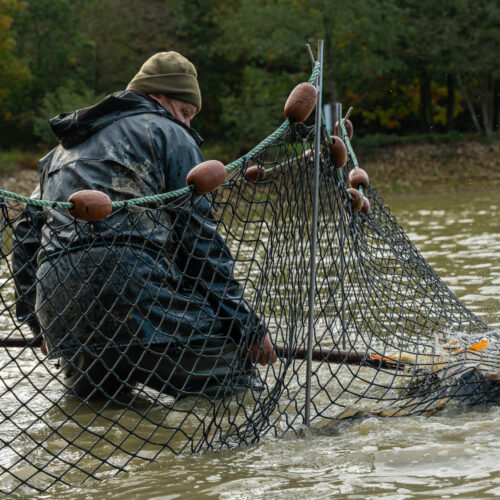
171	74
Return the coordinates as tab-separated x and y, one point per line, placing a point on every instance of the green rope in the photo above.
32	201
171	194
154	198
351	151
348	144
257	149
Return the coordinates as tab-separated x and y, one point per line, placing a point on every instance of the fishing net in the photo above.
387	337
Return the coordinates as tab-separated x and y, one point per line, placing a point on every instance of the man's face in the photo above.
183	111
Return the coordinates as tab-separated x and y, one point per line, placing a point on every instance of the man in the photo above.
148	295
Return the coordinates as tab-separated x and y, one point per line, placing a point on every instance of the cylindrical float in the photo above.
90	205
366	205
357	199
301	102
338	152
348	128
358	177
207	176
255	173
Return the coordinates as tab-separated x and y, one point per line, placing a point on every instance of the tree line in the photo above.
405	66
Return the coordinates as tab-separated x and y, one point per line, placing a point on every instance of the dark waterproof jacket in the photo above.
145	274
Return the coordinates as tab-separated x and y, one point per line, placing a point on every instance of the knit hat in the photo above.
171	74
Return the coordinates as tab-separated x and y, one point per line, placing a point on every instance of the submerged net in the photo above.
389	338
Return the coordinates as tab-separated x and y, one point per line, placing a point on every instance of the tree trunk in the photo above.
421	108
468	102
450	103
330	73
425	105
487	101
428	105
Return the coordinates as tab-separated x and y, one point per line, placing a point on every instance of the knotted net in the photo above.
389	337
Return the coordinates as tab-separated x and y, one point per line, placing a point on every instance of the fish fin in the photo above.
479	346
387	359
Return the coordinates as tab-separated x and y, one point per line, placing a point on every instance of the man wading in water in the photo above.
151	297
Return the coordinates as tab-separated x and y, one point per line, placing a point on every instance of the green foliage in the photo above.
257	110
405	65
63	99
13	72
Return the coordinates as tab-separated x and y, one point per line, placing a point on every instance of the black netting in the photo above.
148	317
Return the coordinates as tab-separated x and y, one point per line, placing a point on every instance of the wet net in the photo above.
149	317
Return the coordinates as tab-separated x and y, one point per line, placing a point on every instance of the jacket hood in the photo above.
77	126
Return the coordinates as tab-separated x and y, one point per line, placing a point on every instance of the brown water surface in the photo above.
450	455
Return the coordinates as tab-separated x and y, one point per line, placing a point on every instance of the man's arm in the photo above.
204	259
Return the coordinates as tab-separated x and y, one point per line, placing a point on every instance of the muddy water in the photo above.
450	455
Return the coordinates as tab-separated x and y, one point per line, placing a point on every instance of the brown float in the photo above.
207	176
89	205
348	128
301	102
357	199
358	177
255	173
338	152
366	205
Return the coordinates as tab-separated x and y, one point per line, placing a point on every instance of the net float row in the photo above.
92	206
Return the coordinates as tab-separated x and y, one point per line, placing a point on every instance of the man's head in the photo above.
173	80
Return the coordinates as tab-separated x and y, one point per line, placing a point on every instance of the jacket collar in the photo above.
170	116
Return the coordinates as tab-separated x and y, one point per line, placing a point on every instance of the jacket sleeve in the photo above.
204	258
27	241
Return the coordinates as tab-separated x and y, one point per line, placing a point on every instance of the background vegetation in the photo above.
408	67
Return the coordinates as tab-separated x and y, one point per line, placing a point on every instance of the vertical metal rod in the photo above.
313	62
342	275
338	117
338	113
314	234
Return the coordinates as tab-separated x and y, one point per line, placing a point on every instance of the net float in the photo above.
348	128
358	177
255	173
366	205
207	176
338	152
90	205
357	199
301	102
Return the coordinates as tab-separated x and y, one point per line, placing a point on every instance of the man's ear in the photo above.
159	98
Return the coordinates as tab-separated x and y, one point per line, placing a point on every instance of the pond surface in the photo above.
454	454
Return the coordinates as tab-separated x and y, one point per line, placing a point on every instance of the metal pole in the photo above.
338	117
338	112
314	232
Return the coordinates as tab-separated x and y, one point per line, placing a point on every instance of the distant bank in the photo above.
467	164
462	165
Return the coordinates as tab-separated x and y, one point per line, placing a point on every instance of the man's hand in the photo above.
263	352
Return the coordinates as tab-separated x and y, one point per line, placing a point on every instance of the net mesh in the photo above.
121	385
